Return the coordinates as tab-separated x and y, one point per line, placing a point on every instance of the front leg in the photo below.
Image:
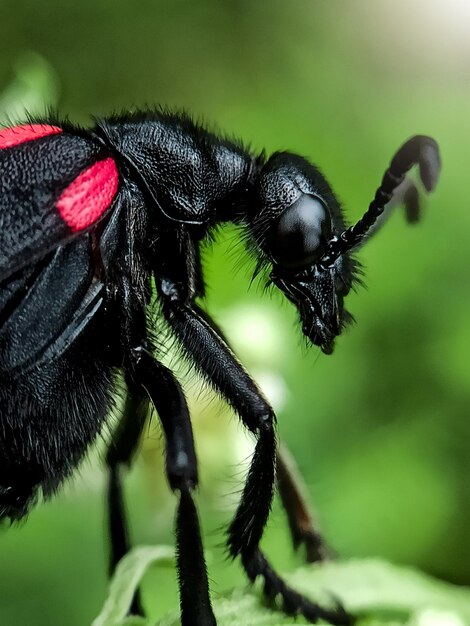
216	362
214	359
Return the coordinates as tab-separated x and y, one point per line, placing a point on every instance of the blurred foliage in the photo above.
380	429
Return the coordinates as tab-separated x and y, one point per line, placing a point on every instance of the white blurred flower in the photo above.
435	617
257	333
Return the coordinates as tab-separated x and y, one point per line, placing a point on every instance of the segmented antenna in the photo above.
419	150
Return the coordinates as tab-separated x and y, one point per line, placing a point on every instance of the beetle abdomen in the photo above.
48	418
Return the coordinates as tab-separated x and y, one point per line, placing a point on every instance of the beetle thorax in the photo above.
186	171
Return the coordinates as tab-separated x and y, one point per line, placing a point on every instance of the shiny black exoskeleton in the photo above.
74	311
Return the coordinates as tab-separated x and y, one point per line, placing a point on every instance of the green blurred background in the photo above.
380	429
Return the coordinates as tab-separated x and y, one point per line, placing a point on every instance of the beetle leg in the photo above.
294	500
293	496
217	363
293	603
119	456
167	396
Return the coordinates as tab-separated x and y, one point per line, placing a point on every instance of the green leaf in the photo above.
129	573
375	587
378	593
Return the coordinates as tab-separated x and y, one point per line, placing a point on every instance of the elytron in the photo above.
92	221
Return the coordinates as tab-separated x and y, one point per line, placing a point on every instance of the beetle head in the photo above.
298	242
298	217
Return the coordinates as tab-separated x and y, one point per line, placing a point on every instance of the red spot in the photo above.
10	137
85	200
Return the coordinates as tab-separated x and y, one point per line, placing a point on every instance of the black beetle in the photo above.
89	219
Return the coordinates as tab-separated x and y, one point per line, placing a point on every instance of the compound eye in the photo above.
301	234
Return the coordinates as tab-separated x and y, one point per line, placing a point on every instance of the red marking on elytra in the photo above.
85	200
16	135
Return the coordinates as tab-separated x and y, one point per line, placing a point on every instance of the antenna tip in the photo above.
429	163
